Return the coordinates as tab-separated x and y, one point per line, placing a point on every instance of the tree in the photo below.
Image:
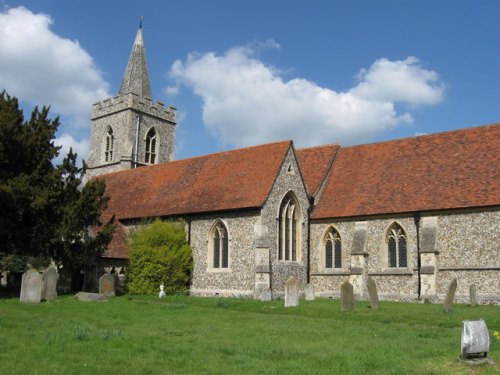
159	254
44	211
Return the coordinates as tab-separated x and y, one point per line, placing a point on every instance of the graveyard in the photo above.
181	334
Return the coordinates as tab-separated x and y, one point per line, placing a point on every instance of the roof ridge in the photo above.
319	146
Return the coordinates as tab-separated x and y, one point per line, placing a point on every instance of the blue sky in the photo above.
248	72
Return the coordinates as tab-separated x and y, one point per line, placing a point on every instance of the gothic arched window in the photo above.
397	251
108	148
333	249
150	156
290	226
219	246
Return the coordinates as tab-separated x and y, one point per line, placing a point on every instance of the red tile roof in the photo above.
230	180
456	169
118	247
315	162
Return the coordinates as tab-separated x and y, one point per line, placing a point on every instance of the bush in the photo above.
159	254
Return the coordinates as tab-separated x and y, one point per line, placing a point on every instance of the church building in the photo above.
412	214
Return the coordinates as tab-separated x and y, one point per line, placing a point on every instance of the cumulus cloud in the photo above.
40	67
247	102
66	142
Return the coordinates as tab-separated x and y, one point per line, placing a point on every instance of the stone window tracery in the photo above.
219	246
397	247
333	249
150	156
289	232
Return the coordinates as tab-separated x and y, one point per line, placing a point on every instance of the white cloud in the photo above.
40	67
67	142
247	102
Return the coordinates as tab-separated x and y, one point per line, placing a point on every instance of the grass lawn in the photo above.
186	335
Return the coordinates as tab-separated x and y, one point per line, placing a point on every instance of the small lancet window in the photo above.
220	246
333	249
396	247
150	156
108	151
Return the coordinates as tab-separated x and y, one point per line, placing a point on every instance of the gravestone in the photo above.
473	295
31	287
450	296
49	285
346	296
265	295
162	291
475	339
291	293
310	292
90	297
107	285
372	291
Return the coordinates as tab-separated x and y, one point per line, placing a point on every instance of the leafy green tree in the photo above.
159	254
44	210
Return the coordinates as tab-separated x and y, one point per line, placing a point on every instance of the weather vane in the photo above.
140	22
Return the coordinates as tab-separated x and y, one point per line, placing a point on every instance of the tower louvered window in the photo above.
108	150
289	229
333	249
397	247
150	156
220	246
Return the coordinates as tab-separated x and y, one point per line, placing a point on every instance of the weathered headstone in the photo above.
372	291
310	292
31	287
90	297
475	339
473	295
450	296
346	296
49	287
291	293
265	295
107	285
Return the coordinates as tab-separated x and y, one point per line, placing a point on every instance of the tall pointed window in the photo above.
396	247
219	246
333	249
290	226
108	149
150	156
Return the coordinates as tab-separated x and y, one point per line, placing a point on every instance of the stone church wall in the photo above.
466	247
239	278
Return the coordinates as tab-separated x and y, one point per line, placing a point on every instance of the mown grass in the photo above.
185	335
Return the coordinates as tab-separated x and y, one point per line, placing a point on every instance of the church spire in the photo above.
135	79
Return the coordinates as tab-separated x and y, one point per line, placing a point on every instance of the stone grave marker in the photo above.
310	292
31	287
346	296
265	295
49	284
372	291
291	293
473	295
90	297
450	296
107	285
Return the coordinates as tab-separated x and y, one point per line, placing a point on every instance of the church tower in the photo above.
130	130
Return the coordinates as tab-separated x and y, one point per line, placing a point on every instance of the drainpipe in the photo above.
309	211
416	218
137	126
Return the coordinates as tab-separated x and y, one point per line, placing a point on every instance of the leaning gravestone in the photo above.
49	284
265	295
31	287
473	295
346	296
310	292
107	285
291	293
450	296
372	291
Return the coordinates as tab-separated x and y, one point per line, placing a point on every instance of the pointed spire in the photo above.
136	79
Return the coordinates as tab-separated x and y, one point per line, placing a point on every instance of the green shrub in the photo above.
159	254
